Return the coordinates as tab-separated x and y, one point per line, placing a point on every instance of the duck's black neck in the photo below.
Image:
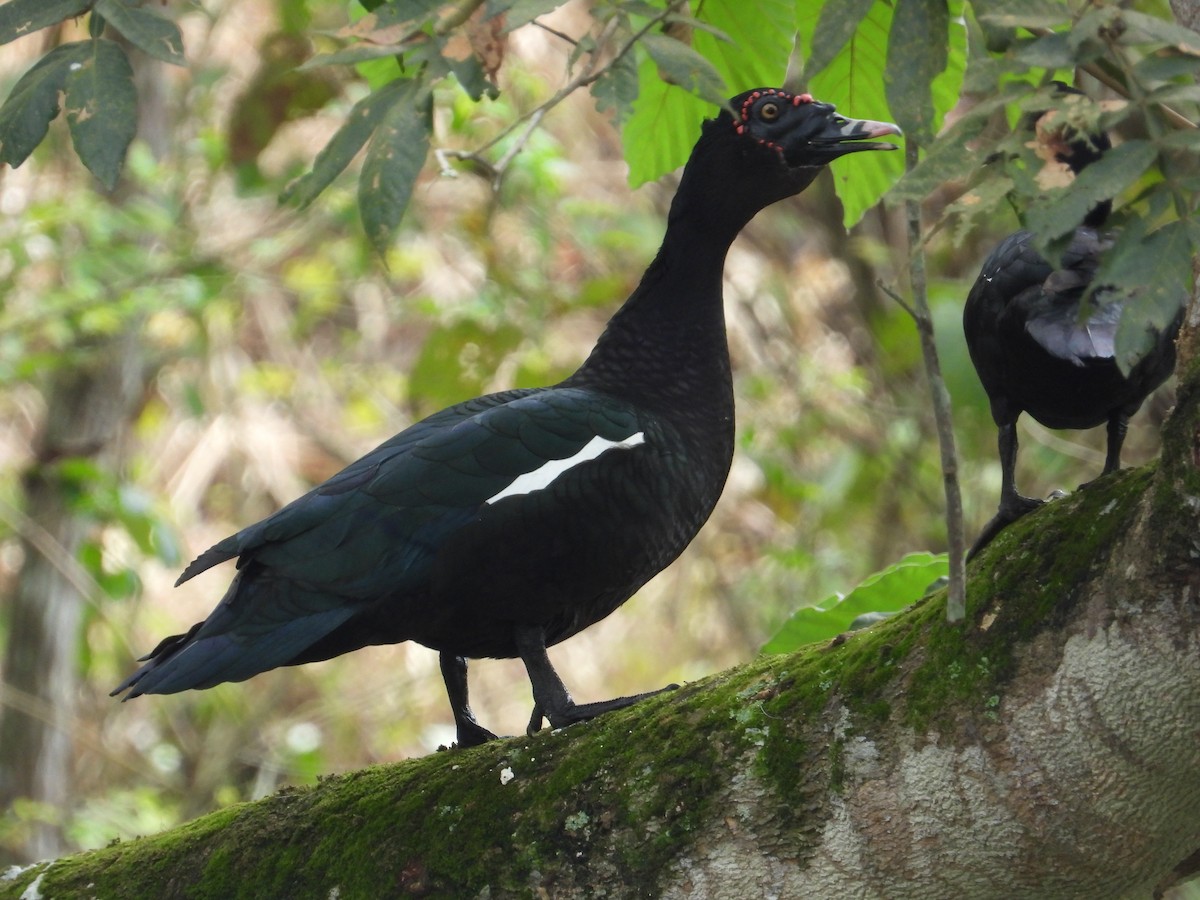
666	348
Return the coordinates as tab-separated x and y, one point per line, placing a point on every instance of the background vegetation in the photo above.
261	348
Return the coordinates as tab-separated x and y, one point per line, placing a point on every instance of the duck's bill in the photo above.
844	136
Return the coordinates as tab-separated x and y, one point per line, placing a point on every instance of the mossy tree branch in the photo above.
1048	748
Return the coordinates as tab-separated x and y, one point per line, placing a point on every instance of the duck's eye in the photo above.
769	112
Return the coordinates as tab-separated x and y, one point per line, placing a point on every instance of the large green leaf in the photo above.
918	51
394	159
664	125
21	17
27	113
836	23
888	591
101	109
854	80
1155	272
345	144
150	33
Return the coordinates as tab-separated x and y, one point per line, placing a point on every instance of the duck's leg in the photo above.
1012	504
1118	424
551	700
454	673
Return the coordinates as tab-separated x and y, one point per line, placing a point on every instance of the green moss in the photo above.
1023	584
634	786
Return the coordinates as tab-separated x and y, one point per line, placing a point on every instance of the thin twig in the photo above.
892	293
554	31
517	146
590	73
956	601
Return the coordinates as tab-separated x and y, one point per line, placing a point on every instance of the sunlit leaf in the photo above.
394	159
659	135
150	33
345	144
889	591
21	17
836	24
31	107
101	109
853	82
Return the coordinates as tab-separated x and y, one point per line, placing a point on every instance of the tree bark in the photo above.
1049	746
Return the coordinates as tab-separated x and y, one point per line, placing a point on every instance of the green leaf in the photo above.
917	53
1146	28
956	155
680	65
345	144
1153	272
394	159
150	33
471	77
617	89
392	22
1102	180
659	135
889	591
837	22
981	202
27	113
1051	51
522	12
353	55
854	82
1166	66
101	108
1026	14
21	17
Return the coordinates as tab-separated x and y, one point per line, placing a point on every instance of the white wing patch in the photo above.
545	474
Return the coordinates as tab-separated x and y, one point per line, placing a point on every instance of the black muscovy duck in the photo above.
505	524
1041	346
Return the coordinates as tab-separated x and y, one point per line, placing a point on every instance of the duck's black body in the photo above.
510	522
1042	347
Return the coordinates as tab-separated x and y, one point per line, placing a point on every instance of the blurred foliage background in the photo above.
259	349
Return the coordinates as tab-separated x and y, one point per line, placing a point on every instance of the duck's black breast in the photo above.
552	509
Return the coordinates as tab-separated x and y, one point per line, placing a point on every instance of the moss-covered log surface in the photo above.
1048	747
